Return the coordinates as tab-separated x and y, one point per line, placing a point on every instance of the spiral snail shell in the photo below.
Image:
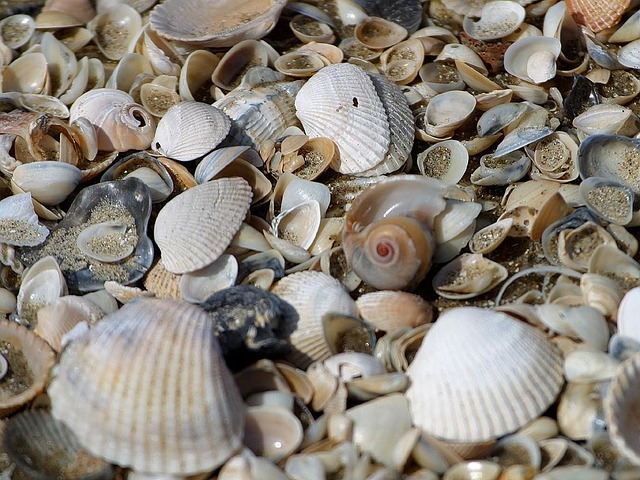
387	237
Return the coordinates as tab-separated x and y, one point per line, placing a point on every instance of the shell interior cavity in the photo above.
109	241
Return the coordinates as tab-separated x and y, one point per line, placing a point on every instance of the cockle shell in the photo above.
120	123
340	102
597	15
195	227
221	27
450	393
106	375
190	130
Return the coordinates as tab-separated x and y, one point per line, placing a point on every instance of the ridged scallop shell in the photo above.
39	359
194	228
389	309
595	14
341	102
142	414
222	26
120	123
189	130
621	407
313	295
464	390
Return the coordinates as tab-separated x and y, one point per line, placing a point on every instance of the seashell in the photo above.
467	377
606	119
43	447
622	348
195	76
388	309
533	59
609	156
245	54
308	29
410	49
608	199
468	276
500	117
300	63
49	182
376	32
157	99
298	224
200	129
182	238
131	68
27	74
586	365
110	241
362	134
162	283
490	237
61	62
498	19
473	469
555	158
7	301
446	112
401	72
521	137
146	323
446	161
16	30
302	291
261	111
576	246
330	52
596	16
248	466
19	223
24	350
441	77
120	123
456	51
627	324
478	82
379	238
115	29
222	28
272	432
503	170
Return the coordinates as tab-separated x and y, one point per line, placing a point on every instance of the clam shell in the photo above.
608	199
195	75
468	276
498	19
470	384
221	27
190	236
27	74
114	29
30	352
376	32
16	30
360	130
447	161
49	182
313	295
19	223
533	59
389	309
272	432
106	373
190	130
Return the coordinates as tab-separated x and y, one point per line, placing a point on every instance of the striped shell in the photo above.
190	130
313	295
480	374
194	228
621	409
596	14
341	102
148	388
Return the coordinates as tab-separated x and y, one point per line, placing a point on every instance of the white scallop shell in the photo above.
194	228
480	374
312	294
340	102
190	130
141	413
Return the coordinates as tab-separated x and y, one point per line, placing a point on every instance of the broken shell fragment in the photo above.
19	223
468	276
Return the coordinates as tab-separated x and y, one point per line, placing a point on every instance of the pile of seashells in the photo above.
341	240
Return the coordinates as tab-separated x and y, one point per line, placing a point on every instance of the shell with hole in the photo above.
473	379
212	427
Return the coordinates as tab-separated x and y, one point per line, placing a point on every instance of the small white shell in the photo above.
107	241
189	130
447	161
197	286
498	19
533	59
468	276
19	223
50	182
115	29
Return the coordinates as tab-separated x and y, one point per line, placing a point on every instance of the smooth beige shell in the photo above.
389	309
148	388
480	374
190	130
194	228
340	102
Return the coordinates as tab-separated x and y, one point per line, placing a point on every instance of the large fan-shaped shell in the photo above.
194	228
341	102
189	130
480	374
215	23
148	388
313	295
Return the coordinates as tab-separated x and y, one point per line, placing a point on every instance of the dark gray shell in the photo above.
251	320
407	13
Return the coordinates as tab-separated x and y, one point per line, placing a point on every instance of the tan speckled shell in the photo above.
148	388
222	25
481	374
189	130
341	102
312	294
389	309
39	357
194	228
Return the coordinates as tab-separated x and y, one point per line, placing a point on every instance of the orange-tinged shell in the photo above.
597	14
389	309
194	228
148	388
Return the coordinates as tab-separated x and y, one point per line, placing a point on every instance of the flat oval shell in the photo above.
195	227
